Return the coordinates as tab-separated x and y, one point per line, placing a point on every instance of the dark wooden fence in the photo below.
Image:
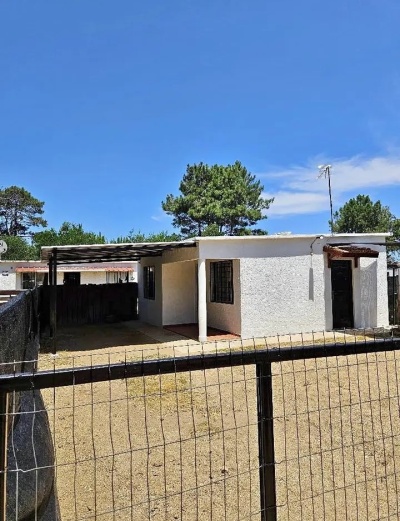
90	304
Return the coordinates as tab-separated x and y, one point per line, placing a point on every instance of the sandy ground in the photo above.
185	446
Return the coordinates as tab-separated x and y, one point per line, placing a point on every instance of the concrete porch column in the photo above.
202	304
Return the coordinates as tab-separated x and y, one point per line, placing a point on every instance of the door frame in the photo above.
352	306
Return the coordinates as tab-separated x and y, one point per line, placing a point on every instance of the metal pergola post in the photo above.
53	298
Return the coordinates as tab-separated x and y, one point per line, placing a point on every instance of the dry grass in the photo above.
169	392
185	446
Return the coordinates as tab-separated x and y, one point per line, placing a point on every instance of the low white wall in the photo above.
150	311
225	316
179	293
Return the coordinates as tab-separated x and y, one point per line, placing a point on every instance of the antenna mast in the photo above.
325	170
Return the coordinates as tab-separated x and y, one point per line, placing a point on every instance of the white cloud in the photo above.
159	216
301	192
296	202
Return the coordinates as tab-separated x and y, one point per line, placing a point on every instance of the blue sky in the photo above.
103	104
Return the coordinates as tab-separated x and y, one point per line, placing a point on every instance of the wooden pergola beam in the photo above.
352	252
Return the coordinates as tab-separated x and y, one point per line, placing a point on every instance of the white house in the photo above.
253	286
263	285
27	274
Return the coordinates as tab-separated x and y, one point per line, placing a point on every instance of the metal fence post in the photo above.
4	398
266	441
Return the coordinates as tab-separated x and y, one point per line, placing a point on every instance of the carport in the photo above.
97	253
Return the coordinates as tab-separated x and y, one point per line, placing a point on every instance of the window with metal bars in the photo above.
222	282
149	282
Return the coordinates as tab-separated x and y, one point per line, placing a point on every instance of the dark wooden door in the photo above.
342	294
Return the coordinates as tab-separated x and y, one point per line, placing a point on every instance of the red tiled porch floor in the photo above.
192	331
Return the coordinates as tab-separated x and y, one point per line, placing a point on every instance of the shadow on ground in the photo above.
89	337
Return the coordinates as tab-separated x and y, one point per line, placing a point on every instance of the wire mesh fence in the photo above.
289	431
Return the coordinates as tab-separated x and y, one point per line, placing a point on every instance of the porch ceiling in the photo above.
78	254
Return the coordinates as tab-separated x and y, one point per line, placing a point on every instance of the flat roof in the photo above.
92	253
285	236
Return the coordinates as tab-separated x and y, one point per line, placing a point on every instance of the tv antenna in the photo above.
3	247
325	170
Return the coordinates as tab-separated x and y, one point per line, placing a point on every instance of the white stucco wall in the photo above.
180	254
281	285
179	293
374	292
282	295
368	297
252	247
328	294
285	289
8	276
370	300
225	316
150	311
382	291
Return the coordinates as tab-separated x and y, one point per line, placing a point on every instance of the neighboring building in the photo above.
259	286
28	274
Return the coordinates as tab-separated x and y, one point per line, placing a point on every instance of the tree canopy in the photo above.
19	211
362	215
139	236
18	249
69	233
224	200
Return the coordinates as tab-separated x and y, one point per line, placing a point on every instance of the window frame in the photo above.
115	277
31	279
28	280
221	282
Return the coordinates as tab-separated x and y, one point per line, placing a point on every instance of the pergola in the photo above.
97	253
89	253
348	251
